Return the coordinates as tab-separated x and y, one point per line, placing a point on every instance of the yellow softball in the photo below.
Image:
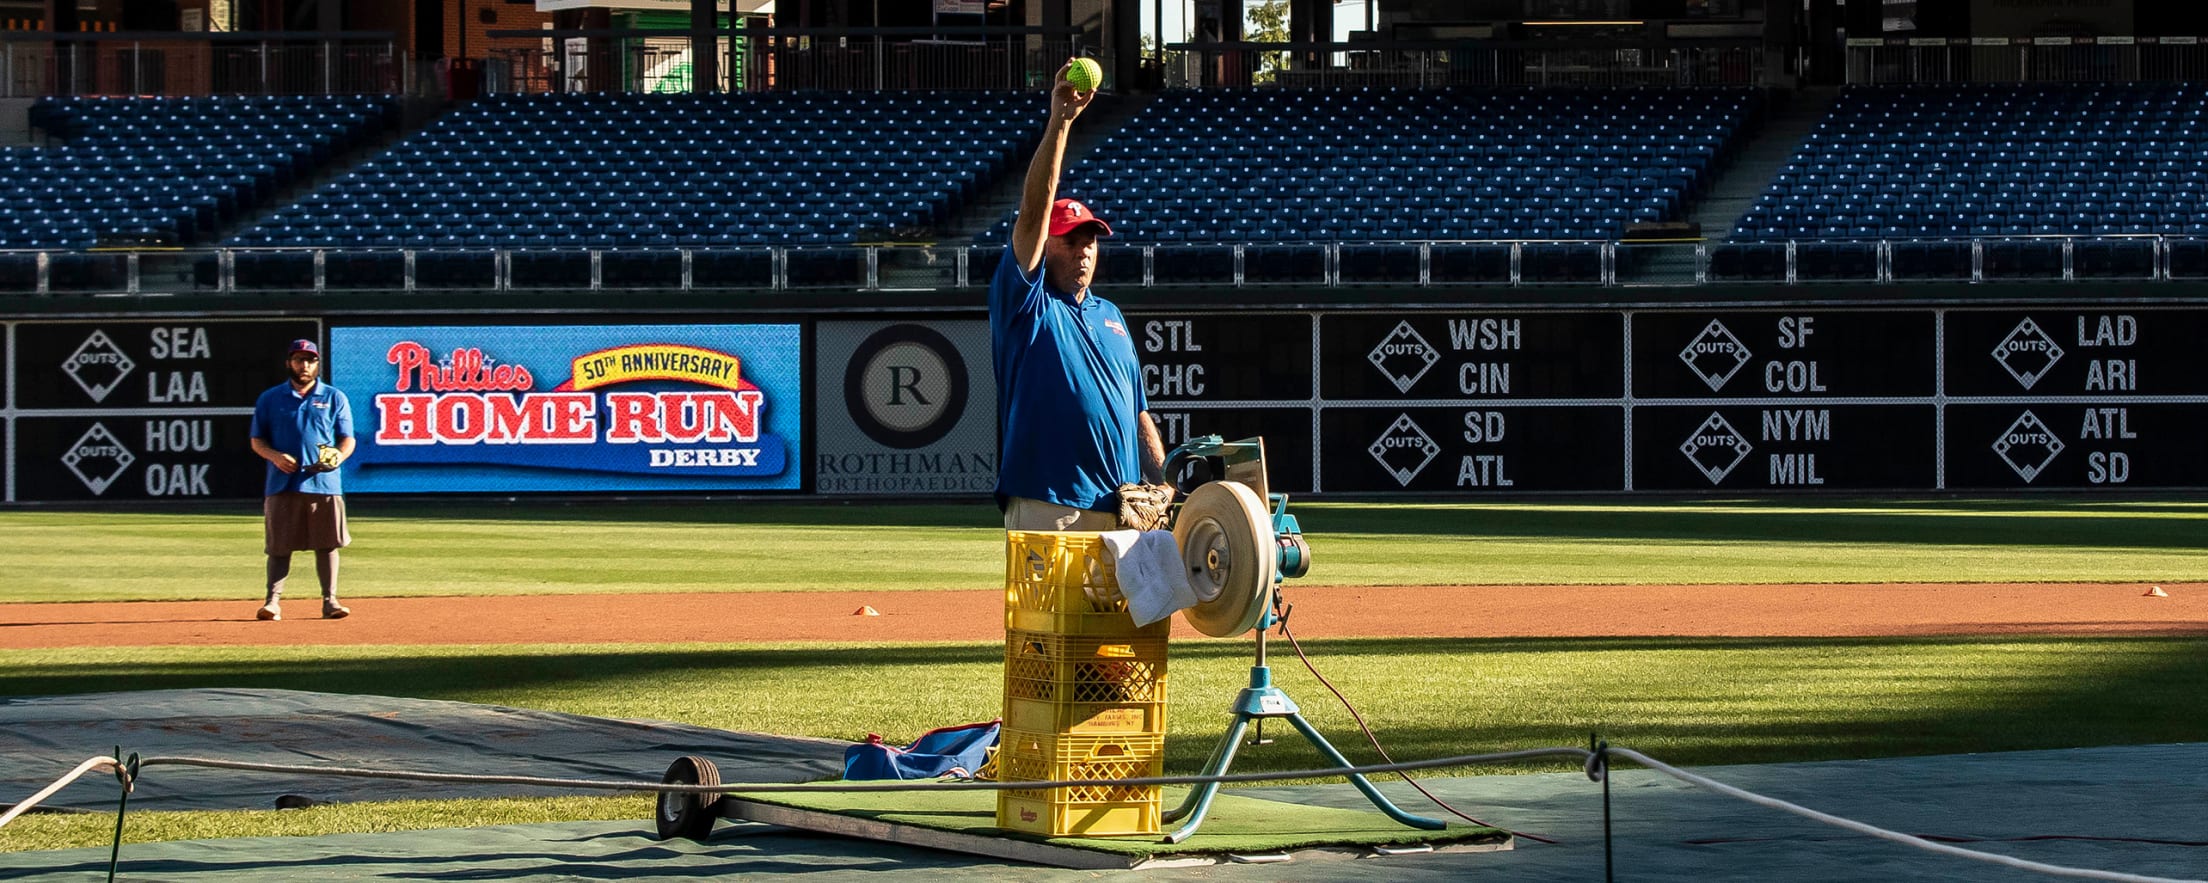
1085	74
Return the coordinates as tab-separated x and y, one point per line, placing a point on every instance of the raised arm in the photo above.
1041	188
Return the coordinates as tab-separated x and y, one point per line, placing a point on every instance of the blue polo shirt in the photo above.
1069	392
295	424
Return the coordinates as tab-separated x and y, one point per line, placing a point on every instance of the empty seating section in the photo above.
1286	187
1382	164
1960	162
168	171
566	171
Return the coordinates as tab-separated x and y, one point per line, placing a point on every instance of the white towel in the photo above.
1151	574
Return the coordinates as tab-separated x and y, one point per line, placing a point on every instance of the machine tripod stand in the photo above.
1237	550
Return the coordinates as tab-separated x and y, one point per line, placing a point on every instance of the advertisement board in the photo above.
139	409
572	408
1498	449
1800	354
183	363
904	408
1381	399
82	458
1711	399
1399	355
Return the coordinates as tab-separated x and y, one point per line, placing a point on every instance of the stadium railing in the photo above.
36	64
784	59
891	268
1463	63
2116	59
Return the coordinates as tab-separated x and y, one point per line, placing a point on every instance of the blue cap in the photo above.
303	346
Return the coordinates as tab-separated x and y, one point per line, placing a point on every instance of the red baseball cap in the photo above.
1066	214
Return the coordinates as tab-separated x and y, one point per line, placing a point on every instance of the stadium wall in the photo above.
871	397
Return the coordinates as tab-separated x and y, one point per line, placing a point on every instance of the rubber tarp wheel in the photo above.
1227	544
685	814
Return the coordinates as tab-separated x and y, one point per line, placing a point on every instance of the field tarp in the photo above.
43	737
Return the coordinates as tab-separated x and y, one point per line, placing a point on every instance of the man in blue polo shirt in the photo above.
304	429
1075	423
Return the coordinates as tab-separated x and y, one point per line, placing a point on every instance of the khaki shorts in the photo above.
296	522
1022	513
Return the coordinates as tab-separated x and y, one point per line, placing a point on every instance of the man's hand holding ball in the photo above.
1076	87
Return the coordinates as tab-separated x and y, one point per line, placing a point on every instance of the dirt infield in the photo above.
1320	612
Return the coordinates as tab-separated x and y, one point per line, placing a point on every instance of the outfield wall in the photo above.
1371	400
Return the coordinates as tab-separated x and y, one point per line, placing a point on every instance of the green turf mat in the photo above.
1240	825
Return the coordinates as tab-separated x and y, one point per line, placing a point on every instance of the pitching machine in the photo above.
1238	542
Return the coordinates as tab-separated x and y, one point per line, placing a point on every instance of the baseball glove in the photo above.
326	459
1145	506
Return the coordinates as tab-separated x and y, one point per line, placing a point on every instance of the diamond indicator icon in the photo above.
1404	356
2027	353
1716	448
1404	450
1715	355
2028	446
98	366
98	458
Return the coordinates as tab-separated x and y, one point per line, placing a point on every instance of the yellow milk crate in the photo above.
1080	810
1083	684
1065	582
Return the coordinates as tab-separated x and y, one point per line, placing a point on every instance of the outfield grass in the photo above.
1693	701
675	546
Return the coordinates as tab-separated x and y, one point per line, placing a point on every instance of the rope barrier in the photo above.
1881	833
96	763
620	785
1595	764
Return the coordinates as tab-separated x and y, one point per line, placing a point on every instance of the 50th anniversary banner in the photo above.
572	408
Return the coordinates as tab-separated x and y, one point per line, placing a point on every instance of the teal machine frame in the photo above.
1244	461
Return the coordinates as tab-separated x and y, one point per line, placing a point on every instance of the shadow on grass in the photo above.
1693	701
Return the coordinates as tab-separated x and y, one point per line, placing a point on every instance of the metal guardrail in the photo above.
760	59
1211	65
1898	61
665	65
928	268
34	65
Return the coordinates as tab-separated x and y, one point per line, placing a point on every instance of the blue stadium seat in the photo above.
658	171
169	171
1918	162
1403	163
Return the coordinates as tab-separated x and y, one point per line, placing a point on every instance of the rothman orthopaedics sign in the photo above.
553	408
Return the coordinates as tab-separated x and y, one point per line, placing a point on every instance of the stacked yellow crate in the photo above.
1084	691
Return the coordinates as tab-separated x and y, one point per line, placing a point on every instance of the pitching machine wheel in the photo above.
689	815
1227	544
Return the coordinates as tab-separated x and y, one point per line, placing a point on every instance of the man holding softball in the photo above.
1076	430
304	429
